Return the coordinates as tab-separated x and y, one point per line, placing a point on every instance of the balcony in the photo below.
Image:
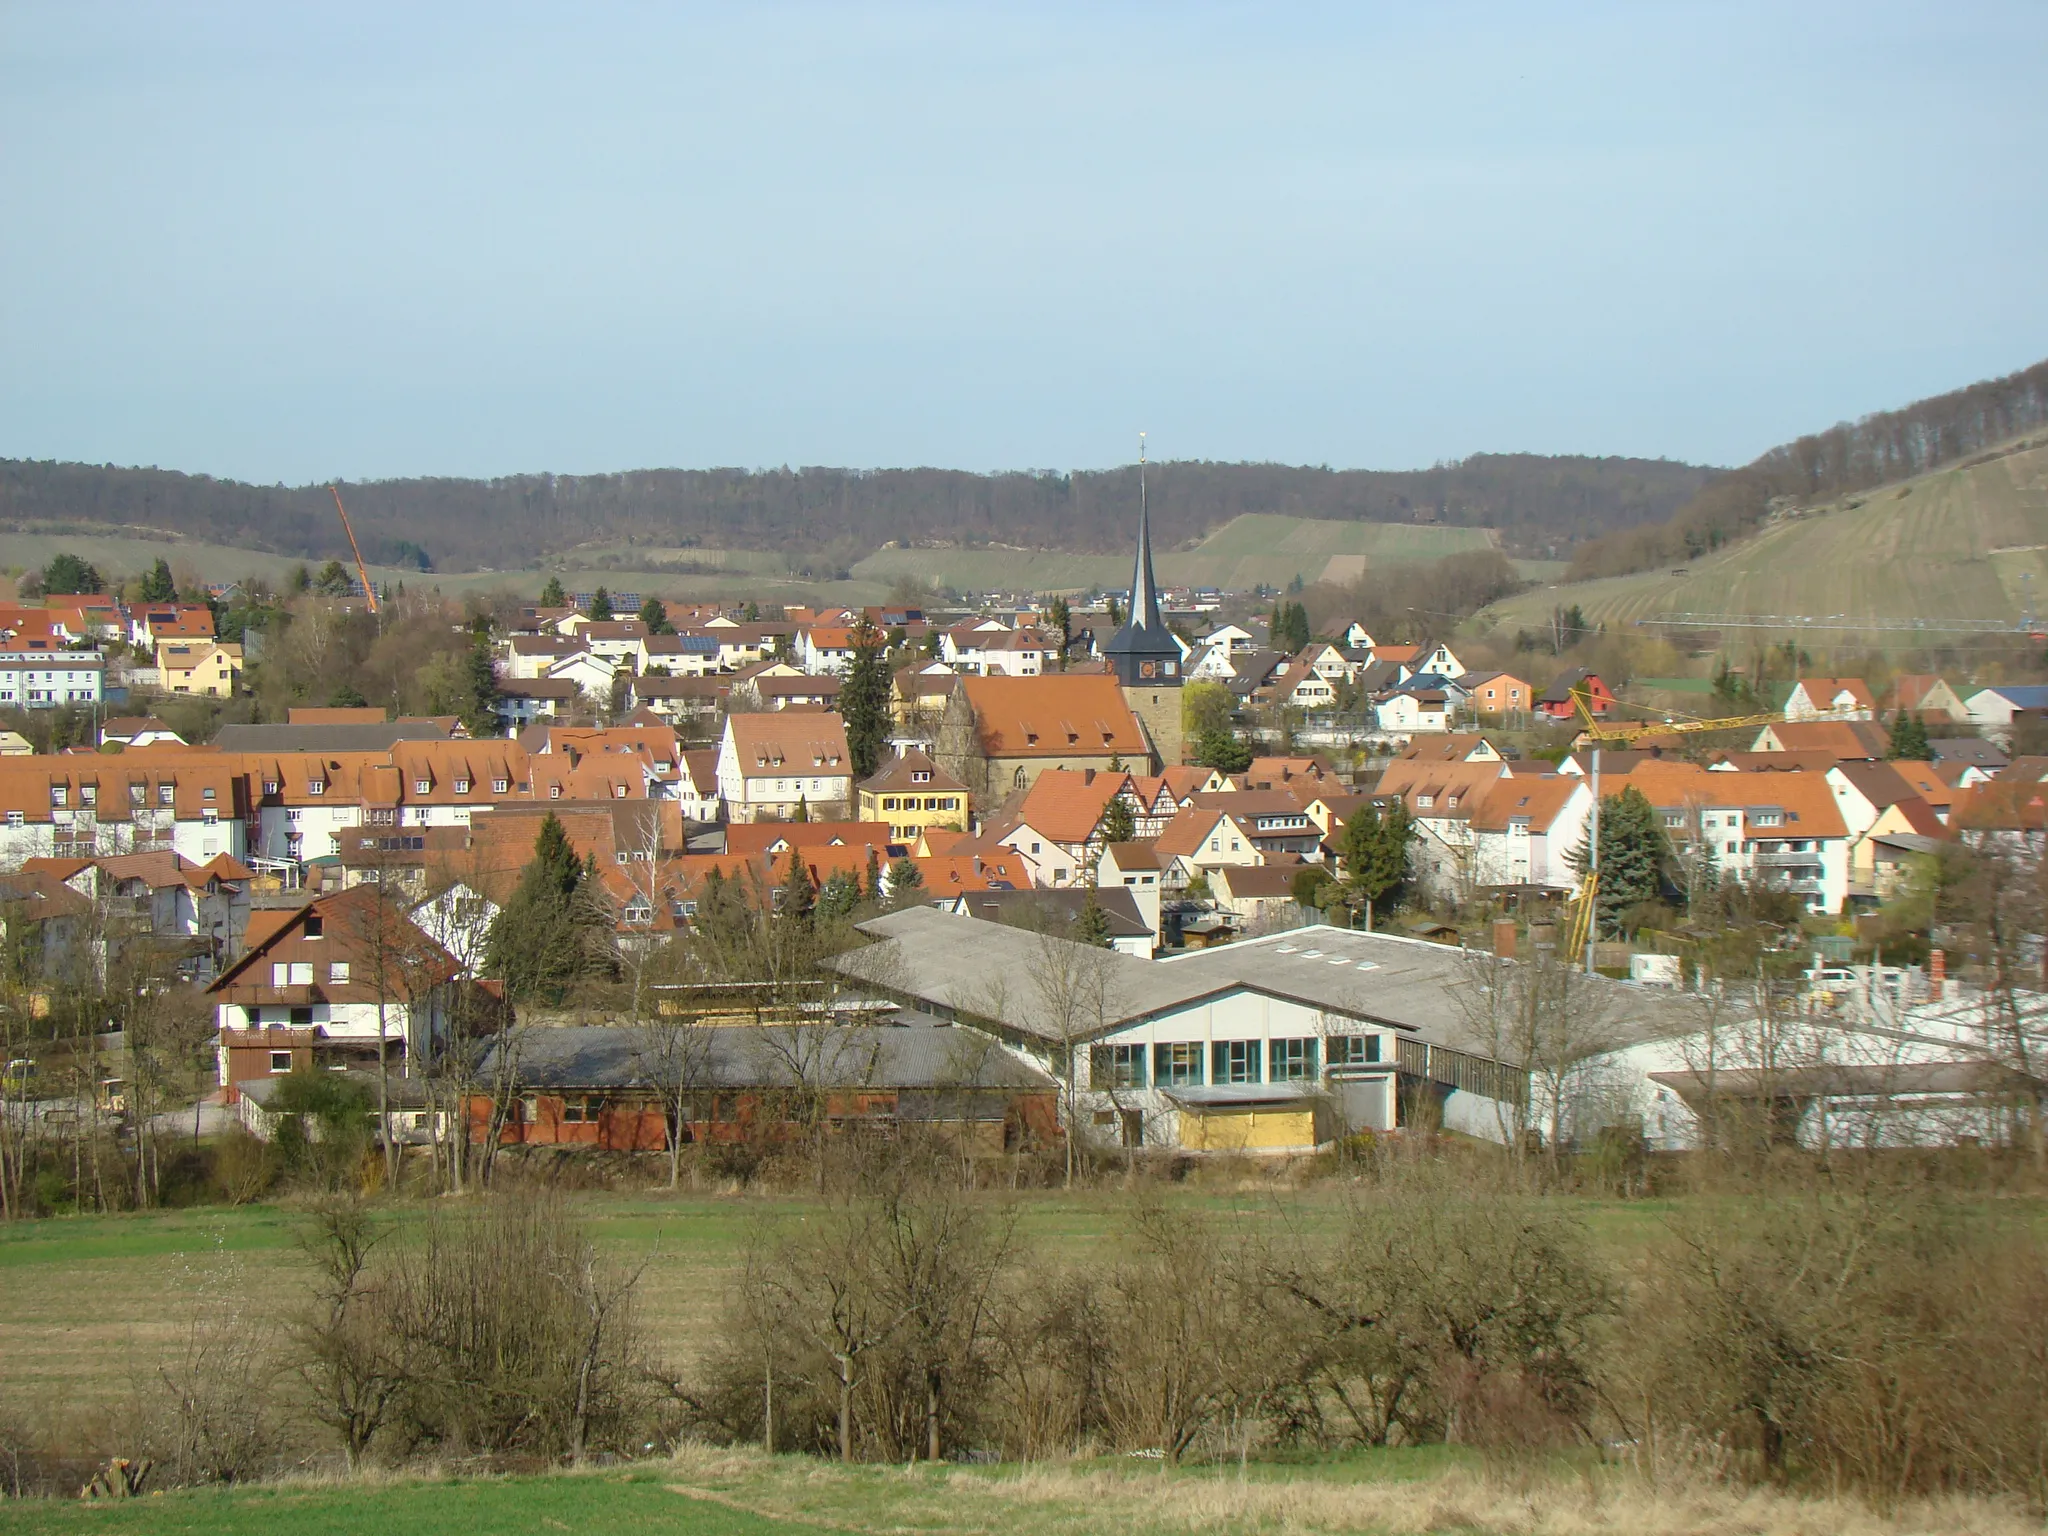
1783	860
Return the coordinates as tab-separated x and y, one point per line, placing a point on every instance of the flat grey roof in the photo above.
1423	989
919	1054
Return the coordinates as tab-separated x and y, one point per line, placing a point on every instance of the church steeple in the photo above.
1144	590
1143	652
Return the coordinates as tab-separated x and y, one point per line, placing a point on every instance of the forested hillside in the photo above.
1853	456
1540	505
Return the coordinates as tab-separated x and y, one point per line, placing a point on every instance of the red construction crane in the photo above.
369	592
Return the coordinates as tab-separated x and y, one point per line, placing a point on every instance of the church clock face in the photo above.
1148	669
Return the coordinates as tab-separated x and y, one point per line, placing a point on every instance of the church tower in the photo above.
1143	654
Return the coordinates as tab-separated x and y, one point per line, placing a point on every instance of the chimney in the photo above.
1504	937
1937	973
1087	775
1542	936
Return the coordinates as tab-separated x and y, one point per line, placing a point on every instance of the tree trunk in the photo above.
931	1416
768	1405
845	1407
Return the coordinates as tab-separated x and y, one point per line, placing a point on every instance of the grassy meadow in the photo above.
1966	542
89	1301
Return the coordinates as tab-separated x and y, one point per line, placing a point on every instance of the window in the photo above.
270	786
889	803
302	973
337	972
280	1061
89	794
462	786
57	794
16	819
137	793
1116	1066
1234	1061
1354	1050
316	786
1290	1061
582	1109
422	786
554	791
204	794
166	794
1177	1066
316	926
499	786
280	974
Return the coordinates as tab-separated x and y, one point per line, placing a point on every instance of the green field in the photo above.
1965	543
1252	550
88	1301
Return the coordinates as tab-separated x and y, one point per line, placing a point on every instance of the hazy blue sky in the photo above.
281	241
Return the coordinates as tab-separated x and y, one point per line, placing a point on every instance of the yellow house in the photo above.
212	668
913	794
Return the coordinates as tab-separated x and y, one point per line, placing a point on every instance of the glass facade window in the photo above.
1116	1066
1234	1061
1177	1066
1290	1061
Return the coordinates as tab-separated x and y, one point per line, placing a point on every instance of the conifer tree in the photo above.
549	931
552	595
601	606
1092	926
906	883
1374	849
480	686
654	614
874	882
1909	737
1635	855
158	585
1119	825
864	700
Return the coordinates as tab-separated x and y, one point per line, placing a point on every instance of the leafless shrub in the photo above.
1875	1339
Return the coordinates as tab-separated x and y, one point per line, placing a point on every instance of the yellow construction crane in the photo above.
369	592
1633	730
1579	925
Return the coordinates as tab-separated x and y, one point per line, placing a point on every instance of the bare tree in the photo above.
1076	994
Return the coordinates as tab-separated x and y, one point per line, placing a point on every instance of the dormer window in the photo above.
89	794
58	795
554	791
422	786
462	786
137	793
920	776
499	786
166	794
316	787
270	786
204	794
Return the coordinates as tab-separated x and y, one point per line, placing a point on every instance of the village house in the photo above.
1556	700
91	806
768	763
1496	693
999	733
1927	695
339	982
1830	698
592	1086
31	679
910	793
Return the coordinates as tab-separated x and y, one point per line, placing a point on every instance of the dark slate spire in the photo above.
1144	652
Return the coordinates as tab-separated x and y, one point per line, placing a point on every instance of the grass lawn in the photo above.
714	1493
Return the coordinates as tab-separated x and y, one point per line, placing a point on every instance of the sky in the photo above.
293	242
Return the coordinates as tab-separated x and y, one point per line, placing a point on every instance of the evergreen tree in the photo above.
1092	926
751	614
874	881
545	936
480	687
1116	612
552	595
1374	850
838	897
1909	737
1635	856
601	606
347	696
1119	824
1224	750
158	586
1062	619
333	580
864	700
802	811
654	614
67	574
906	883
798	899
